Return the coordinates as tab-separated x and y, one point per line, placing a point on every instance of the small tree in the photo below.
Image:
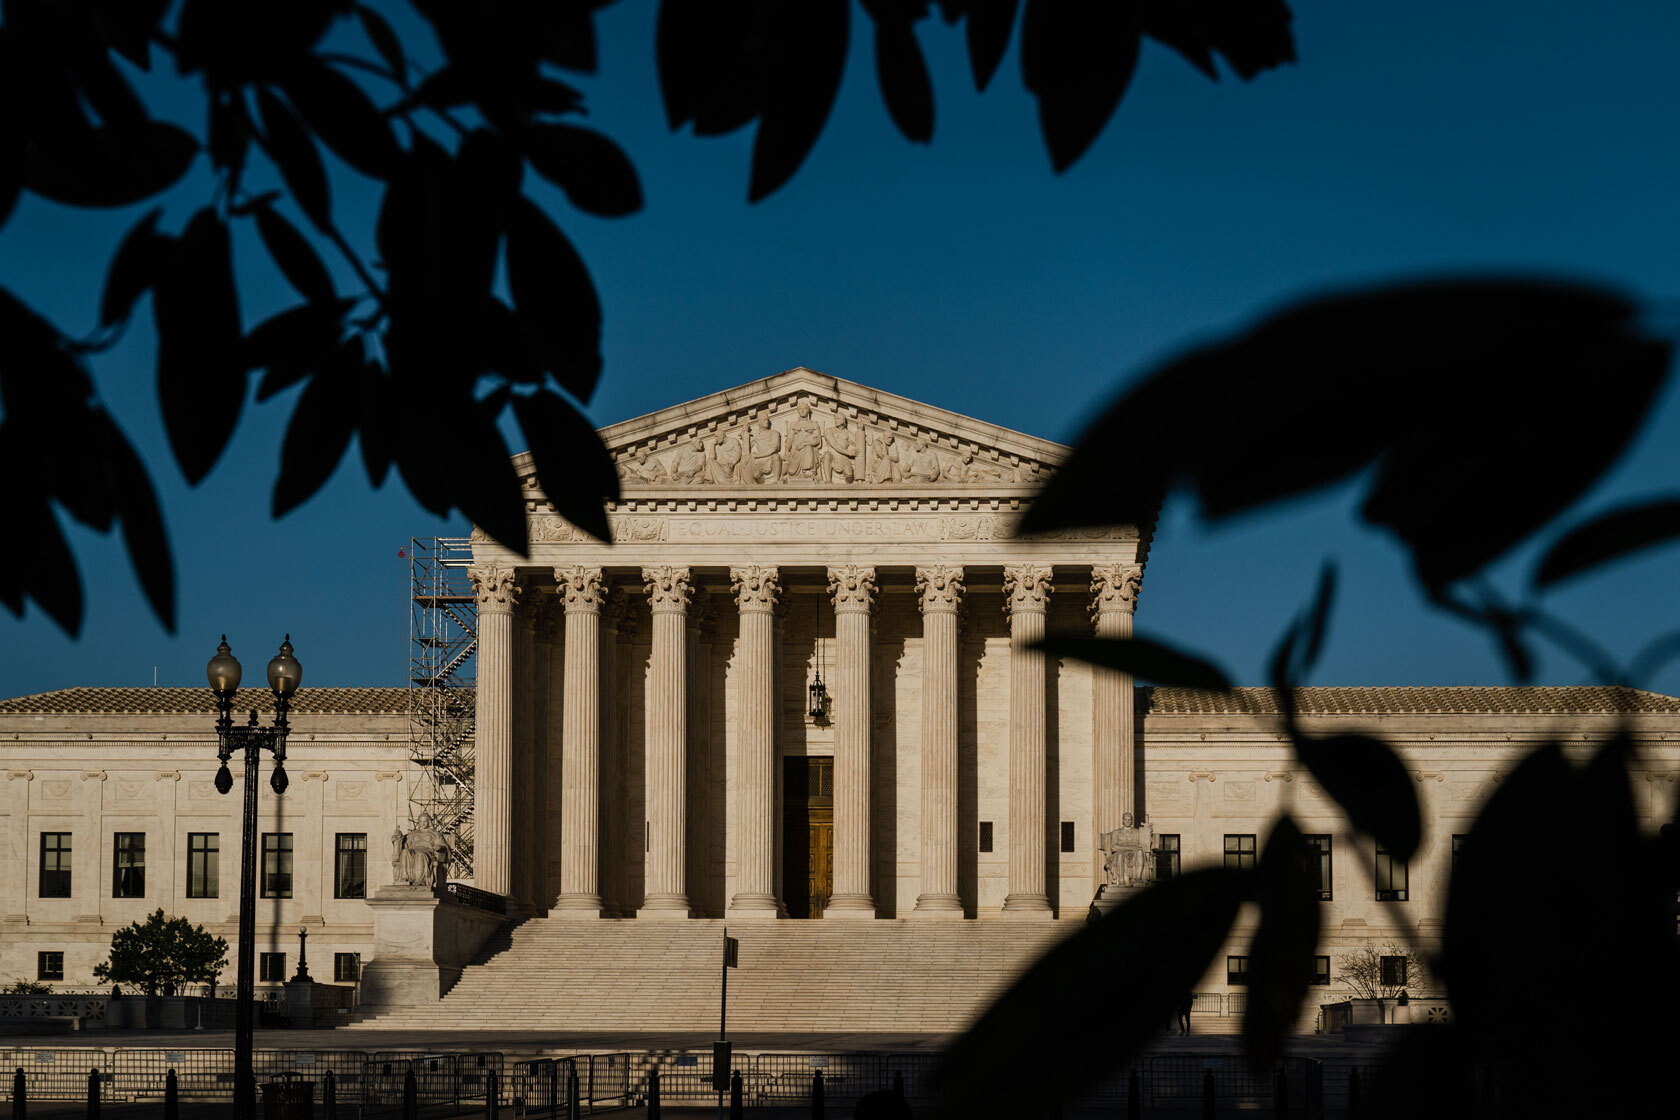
28	988
161	953
1383	971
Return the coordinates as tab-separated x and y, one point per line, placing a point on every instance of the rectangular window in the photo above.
1236	971
985	836
277	865
1321	971
350	872
49	966
55	865
1392	971
1167	855
1318	865
1391	877
347	967
1458	846
1239	851
271	967
204	856
1067	836
128	868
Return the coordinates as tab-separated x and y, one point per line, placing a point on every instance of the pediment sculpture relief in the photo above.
808	446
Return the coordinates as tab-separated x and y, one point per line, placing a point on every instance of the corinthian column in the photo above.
1114	589
1027	595
497	588
939	593
756	589
667	745
853	588
554	736
583	591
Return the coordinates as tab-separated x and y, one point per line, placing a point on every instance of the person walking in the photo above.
1185	1003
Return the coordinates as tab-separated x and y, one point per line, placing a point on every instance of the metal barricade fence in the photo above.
59	1074
437	1077
684	1076
201	1075
786	1078
1176	1080
919	1071
608	1082
538	1085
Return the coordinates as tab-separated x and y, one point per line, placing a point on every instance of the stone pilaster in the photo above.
497	589
939	592
1114	589
554	738
1027	599
756	590
583	591
853	588
668	591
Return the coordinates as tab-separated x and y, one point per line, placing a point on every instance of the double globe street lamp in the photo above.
284	676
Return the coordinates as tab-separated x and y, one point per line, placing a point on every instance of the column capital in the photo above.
498	587
1114	587
939	587
756	587
668	588
853	588
1026	588
581	588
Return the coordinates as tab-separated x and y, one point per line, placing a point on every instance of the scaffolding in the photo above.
442	639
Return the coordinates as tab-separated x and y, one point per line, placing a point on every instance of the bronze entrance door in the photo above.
807	835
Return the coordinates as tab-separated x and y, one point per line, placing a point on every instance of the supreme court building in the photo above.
798	694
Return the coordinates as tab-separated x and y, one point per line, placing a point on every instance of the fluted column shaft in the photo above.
853	588
583	591
699	816
756	589
667	745
497	589
1113	596
521	856
1027	592
939	594
554	738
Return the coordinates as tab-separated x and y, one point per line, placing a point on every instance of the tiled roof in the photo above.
1441	700
163	701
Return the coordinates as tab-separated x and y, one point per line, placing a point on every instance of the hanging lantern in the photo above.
819	700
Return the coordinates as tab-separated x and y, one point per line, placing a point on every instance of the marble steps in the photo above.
880	975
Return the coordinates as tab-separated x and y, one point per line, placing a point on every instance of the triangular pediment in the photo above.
801	429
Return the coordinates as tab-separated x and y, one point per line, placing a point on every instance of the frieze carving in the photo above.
830	447
350	791
550	529
1026	587
581	588
201	791
668	588
129	791
496	586
853	587
756	587
55	790
939	588
1114	587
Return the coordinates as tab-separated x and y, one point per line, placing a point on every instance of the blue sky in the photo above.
1408	139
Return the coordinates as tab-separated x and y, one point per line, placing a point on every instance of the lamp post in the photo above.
284	675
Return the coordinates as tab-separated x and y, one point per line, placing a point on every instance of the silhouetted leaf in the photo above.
1367	779
802	62
445	88
201	383
504	346
591	169
11	185
710	56
1143	658
345	118
384	40
1077	60
1273	414
1093	1000
316	439
230	132
133	267
990	24
127	26
899	67
294	154
572	464
294	256
546	95
1253	35
110	166
46	571
1280	959
142	521
293	344
1608	536
484	484
236	44
374	435
555	298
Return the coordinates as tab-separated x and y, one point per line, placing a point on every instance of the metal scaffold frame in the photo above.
442	643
